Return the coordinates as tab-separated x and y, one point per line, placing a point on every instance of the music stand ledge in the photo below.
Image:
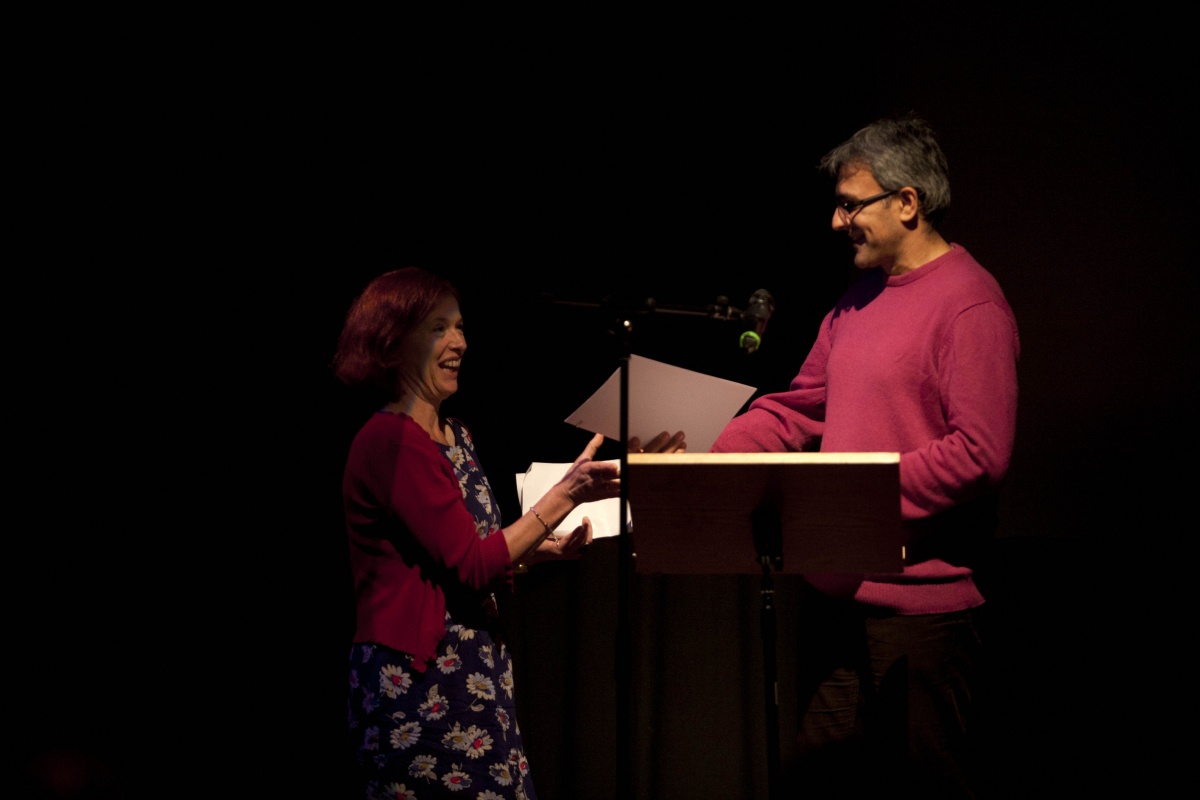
696	513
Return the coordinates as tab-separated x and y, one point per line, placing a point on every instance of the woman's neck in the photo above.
425	414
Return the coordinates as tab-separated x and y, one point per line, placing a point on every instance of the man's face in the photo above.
874	228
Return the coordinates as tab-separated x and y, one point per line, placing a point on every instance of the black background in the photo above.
200	217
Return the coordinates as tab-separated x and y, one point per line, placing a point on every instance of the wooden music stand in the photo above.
746	513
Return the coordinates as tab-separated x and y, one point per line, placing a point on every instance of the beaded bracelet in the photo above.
539	519
549	531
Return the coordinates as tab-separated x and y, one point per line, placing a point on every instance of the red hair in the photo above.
368	351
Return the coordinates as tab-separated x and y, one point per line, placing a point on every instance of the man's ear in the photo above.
909	203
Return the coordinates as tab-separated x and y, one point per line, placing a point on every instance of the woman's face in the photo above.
434	349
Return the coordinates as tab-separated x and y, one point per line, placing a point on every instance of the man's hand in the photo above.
663	443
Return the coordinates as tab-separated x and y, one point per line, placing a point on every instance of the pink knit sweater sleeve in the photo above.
978	383
791	421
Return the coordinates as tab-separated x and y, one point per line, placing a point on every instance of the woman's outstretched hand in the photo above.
588	481
663	443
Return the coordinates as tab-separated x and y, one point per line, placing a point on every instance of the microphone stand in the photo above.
622	327
625	569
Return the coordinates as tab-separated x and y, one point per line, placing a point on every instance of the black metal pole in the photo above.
767	525
625	567
770	679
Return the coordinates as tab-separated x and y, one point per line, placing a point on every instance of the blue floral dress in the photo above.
450	731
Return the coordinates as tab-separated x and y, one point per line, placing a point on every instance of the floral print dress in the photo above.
450	731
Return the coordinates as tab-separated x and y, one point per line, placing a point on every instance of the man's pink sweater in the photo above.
923	364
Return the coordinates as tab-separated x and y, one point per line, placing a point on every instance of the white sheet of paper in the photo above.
533	484
663	397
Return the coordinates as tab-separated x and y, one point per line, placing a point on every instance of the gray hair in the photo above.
899	152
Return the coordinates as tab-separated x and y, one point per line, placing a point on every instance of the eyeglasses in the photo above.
849	208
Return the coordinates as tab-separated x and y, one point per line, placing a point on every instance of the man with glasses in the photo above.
919	357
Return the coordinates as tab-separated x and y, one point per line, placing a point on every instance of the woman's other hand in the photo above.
569	547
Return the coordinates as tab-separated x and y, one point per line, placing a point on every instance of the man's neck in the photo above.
923	250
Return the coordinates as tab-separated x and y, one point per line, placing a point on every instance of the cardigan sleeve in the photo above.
424	494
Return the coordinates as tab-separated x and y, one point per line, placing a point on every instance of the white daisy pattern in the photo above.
478	742
481	686
394	681
484	495
406	735
501	773
456	780
449	662
455	738
423	766
435	705
461	461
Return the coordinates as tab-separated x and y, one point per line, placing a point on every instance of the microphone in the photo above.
756	316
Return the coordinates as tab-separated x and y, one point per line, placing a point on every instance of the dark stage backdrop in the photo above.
1053	192
198	638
